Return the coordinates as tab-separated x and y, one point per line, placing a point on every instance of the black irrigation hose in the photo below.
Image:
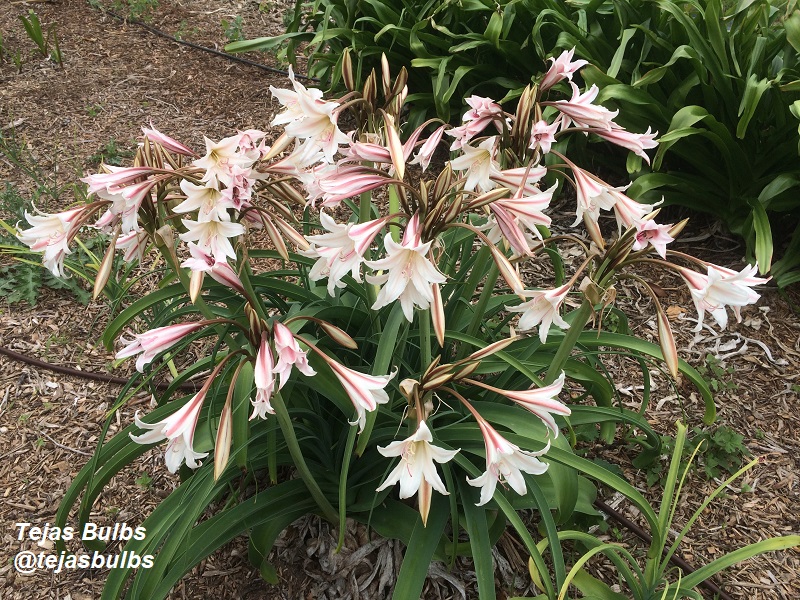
187	385
230	57
675	559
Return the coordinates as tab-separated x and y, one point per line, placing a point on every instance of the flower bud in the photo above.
347	71
104	271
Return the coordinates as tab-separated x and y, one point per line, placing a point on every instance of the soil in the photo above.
117	76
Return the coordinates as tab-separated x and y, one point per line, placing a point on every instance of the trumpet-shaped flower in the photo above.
169	144
153	342
635	142
341	250
213	236
543	135
409	273
581	110
204	262
289	354
416	471
133	245
650	232
541	402
264	378
721	288
479	164
178	428
205	199
290	100
562	67
542	310
219	158
51	234
365	391
505	462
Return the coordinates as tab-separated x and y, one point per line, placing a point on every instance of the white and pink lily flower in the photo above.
425	153
219	158
289	354
115	179
153	342
562	67
480	165
650	232
409	275
340	251
249	144
169	144
635	142
543	135
319	123
51	234
416	472
721	288
521	177
592	194
542	310
540	401
528	209
178	428
213	236
347	181
133	245
365	391
202	261
581	110
629	212
290	100
207	200
505	462
264	378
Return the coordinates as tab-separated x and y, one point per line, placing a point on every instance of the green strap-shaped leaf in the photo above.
763	233
420	550
753	91
478	531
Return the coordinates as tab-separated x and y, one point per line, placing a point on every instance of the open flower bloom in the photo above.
133	245
563	67
204	262
290	100
178	428
542	310
207	200
650	232
479	164
341	250
581	110
153	342
592	194
540	401
416	471
51	233
289	354
264	378
365	391
505	462
635	142
213	236
410	274
219	158
721	288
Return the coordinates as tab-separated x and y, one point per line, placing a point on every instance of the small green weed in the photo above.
185	31
144	481
719	377
110	154
232	29
141	10
33	28
722	450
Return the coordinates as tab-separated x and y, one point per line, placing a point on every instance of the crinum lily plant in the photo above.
369	319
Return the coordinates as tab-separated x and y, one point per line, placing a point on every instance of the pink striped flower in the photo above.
365	391
562	67
505	462
220	271
480	165
178	428
721	288
153	342
650	232
581	110
118	177
543	310
635	142
264	376
51	234
169	144
543	135
289	354
416	471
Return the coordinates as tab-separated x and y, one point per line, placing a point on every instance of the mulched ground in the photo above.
117	77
